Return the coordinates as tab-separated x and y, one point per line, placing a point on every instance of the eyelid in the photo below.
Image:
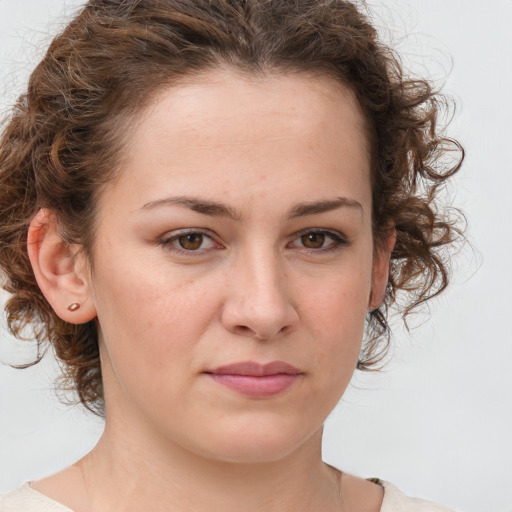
340	240
167	239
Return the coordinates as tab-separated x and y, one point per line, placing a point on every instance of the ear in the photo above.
380	272
60	270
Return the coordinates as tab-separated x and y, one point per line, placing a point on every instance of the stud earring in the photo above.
73	307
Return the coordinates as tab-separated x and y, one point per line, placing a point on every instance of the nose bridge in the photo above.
263	274
259	303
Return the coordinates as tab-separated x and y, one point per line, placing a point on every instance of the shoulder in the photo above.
396	501
26	499
374	494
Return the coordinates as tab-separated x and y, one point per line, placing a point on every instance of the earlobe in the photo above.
380	272
59	270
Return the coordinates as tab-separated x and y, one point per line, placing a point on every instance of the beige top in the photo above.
26	499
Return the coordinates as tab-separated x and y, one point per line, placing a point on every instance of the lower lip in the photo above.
257	386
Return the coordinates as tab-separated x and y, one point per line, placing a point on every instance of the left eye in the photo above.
318	240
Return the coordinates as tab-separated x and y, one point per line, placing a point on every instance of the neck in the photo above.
121	474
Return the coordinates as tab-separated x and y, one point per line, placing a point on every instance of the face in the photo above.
234	264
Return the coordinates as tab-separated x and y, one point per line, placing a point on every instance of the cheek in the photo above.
150	319
341	301
335	314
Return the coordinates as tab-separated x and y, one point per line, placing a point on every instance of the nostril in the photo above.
243	330
285	329
263	320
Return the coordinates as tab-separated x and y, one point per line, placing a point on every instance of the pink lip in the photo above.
256	380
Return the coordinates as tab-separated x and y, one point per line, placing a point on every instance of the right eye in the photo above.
189	242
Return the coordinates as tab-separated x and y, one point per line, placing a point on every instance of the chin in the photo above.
256	443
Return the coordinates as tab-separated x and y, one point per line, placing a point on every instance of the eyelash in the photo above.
338	241
167	242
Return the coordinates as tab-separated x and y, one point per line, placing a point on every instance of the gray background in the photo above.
438	421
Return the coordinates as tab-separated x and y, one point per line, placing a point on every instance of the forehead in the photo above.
223	129
224	95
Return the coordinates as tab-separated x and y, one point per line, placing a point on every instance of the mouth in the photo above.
256	380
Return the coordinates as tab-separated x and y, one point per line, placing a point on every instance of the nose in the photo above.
258	302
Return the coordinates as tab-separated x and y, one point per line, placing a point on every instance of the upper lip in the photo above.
252	368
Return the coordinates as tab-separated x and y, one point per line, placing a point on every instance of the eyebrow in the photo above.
217	209
204	206
315	207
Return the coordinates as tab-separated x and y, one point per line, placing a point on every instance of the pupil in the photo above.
313	240
191	242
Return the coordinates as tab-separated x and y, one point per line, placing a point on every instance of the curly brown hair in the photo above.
64	138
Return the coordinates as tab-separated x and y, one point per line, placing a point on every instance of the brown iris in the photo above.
313	240
191	242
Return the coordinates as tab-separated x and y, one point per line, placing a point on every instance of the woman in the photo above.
202	205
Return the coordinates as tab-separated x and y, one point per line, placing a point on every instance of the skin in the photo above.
284	270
